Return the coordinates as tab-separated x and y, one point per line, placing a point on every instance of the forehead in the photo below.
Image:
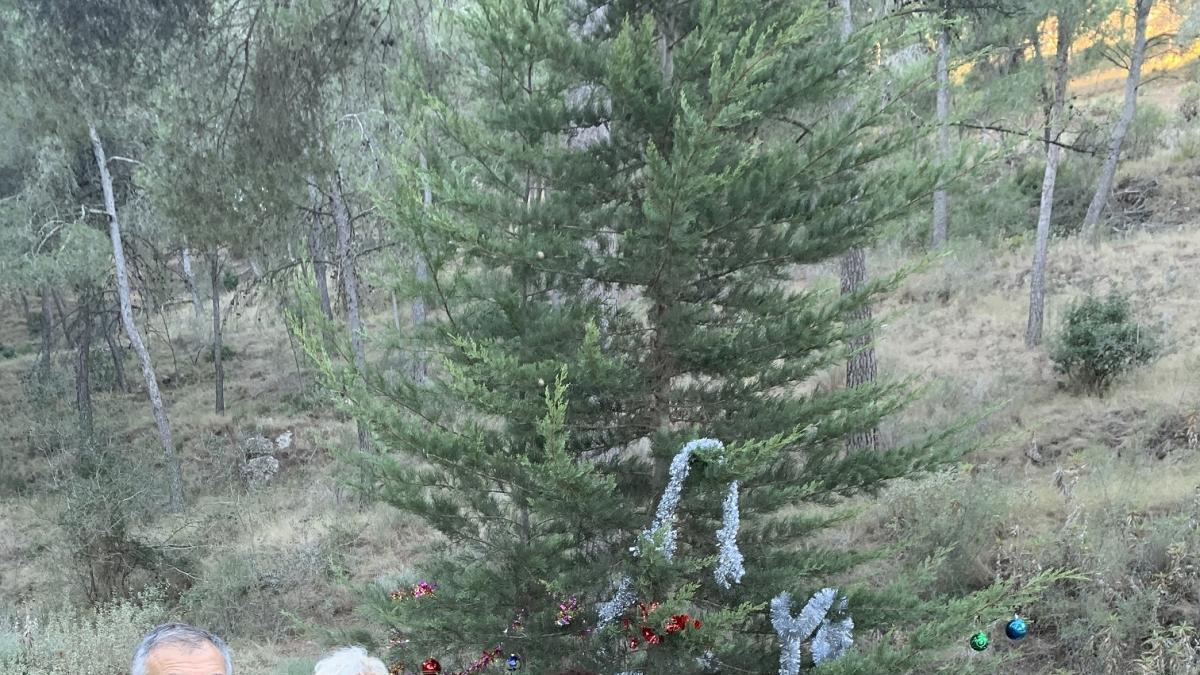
185	659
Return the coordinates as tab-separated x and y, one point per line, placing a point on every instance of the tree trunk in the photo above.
83	356
316	251
1037	277
47	329
175	476
1104	187
941	200
852	269
190	279
62	318
118	358
341	219
214	263
847	20
420	367
861	368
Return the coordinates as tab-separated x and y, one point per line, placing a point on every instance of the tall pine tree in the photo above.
624	191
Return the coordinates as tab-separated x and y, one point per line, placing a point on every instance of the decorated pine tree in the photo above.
620	444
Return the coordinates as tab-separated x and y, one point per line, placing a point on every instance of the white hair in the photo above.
350	661
177	634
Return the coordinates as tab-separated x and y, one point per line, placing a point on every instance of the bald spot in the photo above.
182	659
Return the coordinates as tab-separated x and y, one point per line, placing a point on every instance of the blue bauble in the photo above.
1016	629
514	662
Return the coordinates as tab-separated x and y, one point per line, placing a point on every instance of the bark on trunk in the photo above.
1104	187
316	251
47	329
847	19
1037	277
941	200
118	357
218	360
861	368
420	367
190	279
175	476
62	319
83	356
341	219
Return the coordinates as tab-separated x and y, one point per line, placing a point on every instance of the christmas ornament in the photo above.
979	641
484	660
566	611
650	636
514	663
633	644
1016	629
622	600
430	667
423	588
831	641
677	623
729	563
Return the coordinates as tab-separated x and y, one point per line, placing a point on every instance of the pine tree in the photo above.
538	448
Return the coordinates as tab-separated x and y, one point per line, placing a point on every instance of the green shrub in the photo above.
949	509
1148	125
230	281
226	354
1099	341
1189	101
71	641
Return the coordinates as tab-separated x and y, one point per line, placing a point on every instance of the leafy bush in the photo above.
71	641
949	509
1099	341
1073	189
230	280
1189	102
1148	125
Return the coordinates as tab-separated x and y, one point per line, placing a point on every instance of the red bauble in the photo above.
677	623
633	644
431	667
696	623
652	638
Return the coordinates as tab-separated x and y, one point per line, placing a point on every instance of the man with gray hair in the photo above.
180	649
350	661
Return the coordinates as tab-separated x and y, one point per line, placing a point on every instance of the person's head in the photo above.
350	661
180	649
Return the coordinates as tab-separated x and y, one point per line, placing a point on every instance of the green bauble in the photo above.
979	641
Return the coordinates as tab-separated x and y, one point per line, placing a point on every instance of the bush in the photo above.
1100	341
70	641
1148	125
948	509
1189	102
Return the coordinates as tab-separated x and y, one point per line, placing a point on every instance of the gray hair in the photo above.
177	634
350	661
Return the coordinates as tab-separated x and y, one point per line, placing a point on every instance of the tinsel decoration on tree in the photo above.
832	639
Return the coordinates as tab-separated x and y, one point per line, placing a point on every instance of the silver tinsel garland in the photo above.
664	517
832	640
622	600
729	564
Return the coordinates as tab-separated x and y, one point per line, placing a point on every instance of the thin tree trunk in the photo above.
852	269
214	262
316	251
118	358
420	367
62	318
941	200
47	329
1104	187
1037	277
341	219
83	355
190	279
175	476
